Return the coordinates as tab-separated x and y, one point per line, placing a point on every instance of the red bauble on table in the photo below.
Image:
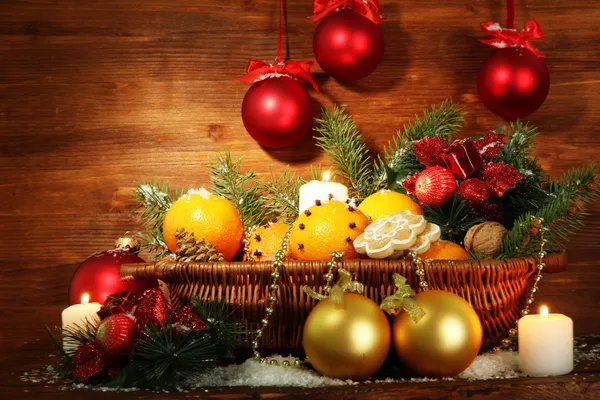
513	82
115	336
99	275
277	112
348	46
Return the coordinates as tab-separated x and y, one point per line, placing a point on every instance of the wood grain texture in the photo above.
95	95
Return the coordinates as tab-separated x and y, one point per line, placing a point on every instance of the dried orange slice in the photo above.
433	232
421	245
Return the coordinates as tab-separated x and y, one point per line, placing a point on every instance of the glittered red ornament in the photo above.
348	46
87	361
115	336
430	150
152	309
186	320
513	82
489	146
474	191
277	112
433	186
99	275
500	177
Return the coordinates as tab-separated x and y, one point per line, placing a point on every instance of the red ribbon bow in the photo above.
509	37
366	8
258	70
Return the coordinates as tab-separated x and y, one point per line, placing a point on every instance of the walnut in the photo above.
485	238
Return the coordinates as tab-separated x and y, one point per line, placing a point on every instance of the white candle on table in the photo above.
546	344
77	315
321	190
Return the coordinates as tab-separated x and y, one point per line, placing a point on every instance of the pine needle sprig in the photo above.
563	215
239	188
227	330
80	333
281	195
454	218
166	359
518	151
153	200
341	141
398	157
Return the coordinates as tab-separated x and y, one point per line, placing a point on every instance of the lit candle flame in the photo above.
326	176
544	312
85	298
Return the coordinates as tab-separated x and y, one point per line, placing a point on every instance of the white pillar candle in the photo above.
321	190
545	344
77	315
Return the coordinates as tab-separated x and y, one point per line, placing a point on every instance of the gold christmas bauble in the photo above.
445	341
349	340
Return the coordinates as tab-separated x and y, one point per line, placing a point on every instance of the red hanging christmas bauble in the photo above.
115	336
99	276
434	186
348	46
277	112
513	82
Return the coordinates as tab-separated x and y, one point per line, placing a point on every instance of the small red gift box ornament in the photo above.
462	158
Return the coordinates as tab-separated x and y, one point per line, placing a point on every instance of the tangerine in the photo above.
445	250
387	202
264	241
210	217
326	228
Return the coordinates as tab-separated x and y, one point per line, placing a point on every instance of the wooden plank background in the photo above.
96	94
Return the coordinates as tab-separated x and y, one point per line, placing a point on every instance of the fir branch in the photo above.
153	200
165	359
227	330
398	155
79	334
527	196
65	358
341	140
518	151
315	173
237	187
563	215
454	218
281	196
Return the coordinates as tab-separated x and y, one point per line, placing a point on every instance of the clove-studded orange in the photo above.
263	242
326	228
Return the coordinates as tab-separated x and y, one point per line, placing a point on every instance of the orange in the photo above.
210	217
324	229
387	202
264	241
445	250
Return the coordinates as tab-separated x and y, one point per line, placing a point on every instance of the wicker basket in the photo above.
495	288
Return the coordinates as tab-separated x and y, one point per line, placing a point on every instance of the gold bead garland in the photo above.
273	298
542	230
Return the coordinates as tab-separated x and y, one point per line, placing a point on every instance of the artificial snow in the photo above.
500	365
149	192
201	191
252	373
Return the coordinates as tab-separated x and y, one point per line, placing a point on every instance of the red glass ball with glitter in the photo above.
348	46
513	82
99	275
277	112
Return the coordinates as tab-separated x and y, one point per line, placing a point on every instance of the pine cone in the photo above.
190	249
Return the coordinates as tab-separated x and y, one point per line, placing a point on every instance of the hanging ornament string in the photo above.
367	8
510	14
503	38
258	70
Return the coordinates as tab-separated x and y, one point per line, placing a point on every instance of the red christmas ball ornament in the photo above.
277	112
514	81
115	336
347	45
434	186
99	275
474	191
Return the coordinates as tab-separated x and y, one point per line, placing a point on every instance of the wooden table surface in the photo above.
98	94
32	352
